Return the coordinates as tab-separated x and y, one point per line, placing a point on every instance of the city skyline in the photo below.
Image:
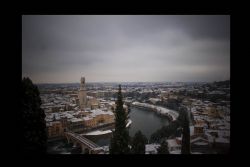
60	49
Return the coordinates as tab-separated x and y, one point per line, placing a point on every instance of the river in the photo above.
146	121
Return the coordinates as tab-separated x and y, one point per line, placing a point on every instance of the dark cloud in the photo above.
126	48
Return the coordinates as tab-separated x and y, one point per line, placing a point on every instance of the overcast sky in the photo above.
61	49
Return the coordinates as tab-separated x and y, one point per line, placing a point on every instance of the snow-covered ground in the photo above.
98	132
129	123
151	148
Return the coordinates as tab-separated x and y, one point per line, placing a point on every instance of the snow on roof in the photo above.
172	143
90	97
151	148
75	119
105	148
87	118
111	103
155	99
100	112
69	116
198	139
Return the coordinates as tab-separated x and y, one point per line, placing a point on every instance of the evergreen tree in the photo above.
119	143
138	143
185	147
32	119
86	151
165	131
163	149
129	108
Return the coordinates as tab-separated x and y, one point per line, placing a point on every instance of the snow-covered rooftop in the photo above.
172	143
76	120
151	148
100	112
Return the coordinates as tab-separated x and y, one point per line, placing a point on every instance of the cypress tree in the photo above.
163	149
129	108
185	147
119	143
138	143
32	119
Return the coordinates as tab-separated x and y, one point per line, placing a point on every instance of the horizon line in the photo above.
130	82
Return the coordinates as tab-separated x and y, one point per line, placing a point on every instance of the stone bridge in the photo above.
84	143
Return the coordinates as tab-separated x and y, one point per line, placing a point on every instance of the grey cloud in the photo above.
126	48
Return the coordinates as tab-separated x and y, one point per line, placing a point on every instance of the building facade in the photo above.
54	130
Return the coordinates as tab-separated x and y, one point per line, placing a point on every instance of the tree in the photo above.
32	119
165	131
119	143
86	151
163	149
185	147
138	143
129	108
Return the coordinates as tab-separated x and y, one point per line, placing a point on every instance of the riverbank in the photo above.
171	114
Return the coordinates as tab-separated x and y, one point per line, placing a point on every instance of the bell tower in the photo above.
82	94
